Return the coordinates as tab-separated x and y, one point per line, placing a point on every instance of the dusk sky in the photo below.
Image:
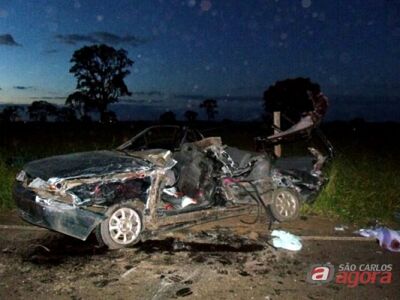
188	50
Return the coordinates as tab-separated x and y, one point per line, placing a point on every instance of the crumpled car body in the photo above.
126	195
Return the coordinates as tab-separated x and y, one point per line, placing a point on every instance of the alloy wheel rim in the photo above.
124	225
286	204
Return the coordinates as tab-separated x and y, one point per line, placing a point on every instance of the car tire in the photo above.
121	228
285	205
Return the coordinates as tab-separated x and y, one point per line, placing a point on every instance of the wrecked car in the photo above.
146	186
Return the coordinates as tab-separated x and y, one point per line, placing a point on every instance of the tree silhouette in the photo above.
80	103
100	71
40	110
291	97
168	117
66	114
110	117
210	106
11	113
191	115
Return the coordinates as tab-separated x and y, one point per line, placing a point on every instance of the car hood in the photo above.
85	164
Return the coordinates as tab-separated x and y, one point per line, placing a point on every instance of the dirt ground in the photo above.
220	260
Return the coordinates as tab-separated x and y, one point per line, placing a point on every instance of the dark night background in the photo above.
189	50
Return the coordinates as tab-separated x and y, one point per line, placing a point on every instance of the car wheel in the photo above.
285	204
122	227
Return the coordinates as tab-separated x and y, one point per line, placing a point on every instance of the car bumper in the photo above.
53	215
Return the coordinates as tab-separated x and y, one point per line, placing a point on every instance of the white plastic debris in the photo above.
171	191
388	239
21	176
286	240
186	201
38	183
341	228
42	200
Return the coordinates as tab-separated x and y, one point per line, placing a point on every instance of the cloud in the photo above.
249	88
50	51
21	87
99	37
46	98
130	101
8	40
248	98
148	93
73	39
193	97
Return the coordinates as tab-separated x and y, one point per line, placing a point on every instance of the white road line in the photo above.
22	227
304	238
337	238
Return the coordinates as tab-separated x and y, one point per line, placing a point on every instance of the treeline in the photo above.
100	71
73	111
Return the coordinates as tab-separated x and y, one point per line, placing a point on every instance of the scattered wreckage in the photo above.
159	182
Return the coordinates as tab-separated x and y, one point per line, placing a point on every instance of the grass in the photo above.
361	188
7	176
364	176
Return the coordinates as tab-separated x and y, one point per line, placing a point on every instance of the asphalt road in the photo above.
220	260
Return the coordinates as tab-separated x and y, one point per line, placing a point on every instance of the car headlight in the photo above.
21	176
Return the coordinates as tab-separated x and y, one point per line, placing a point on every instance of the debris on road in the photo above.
285	240
184	292
341	228
388	239
129	271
